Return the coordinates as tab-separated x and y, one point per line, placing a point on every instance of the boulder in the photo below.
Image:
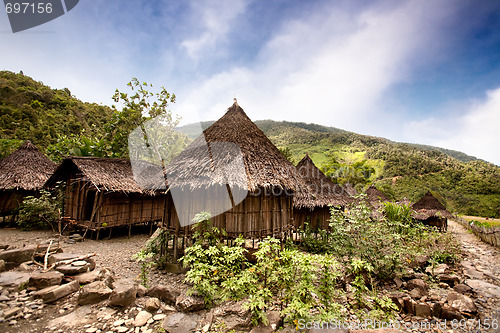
71	269
418	284
419	261
451	280
484	288
397	298
165	293
436	310
152	304
57	257
124	293
18	256
461	303
439	269
448	313
409	305
13	278
53	293
44	280
422	310
234	316
462	288
141	291
189	303
181	322
93	293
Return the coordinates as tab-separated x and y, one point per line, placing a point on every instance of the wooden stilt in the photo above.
176	236
150	228
110	230
97	237
129	230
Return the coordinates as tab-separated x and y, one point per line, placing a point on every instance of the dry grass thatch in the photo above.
25	169
374	195
105	174
429	206
320	190
214	158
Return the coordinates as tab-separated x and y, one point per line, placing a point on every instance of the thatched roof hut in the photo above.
102	193
233	158
429	206
312	203
22	173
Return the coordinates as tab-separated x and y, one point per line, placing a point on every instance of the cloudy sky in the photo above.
413	71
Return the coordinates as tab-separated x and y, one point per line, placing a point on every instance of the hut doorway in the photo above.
88	207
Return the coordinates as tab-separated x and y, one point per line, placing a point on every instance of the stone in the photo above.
122	329
18	256
57	257
449	313
181	322
124	293
152	304
419	284
419	261
44	280
165	293
2	265
94	292
71	269
53	293
483	288
141	291
409	305
159	316
451	280
142	318
11	312
234	316
397	298
462	288
417	293
436	310
439	269
461	303
398	282
422	310
13	278
189	303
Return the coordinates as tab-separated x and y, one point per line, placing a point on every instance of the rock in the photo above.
483	288
93	293
2	265
142	318
57	257
76	237
13	278
18	256
234	316
462	288
419	261
189	303
71	269
397	298
165	293
53	293
409	305
141	291
44	280
152	304
451	280
11	312
181	322
450	314
417	293
398	282
422	310
419	284
439	269
159	316
124	293
436	310
461	303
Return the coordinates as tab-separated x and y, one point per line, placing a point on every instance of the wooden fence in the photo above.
490	235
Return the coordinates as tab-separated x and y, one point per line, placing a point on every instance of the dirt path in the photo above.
481	266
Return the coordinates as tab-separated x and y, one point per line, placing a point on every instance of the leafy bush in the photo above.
40	212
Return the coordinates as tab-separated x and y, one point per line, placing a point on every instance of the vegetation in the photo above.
42	211
308	283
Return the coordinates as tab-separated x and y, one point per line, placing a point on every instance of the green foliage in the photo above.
288	154
346	172
152	254
42	211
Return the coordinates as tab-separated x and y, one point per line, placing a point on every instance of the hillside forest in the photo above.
62	125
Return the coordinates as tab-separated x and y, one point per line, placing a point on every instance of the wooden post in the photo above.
110	230
97	237
129	230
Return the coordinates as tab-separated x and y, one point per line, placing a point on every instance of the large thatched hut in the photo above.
430	211
234	171
102	193
375	197
22	173
312	203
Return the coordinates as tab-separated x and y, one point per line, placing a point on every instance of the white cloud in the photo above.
216	18
476	132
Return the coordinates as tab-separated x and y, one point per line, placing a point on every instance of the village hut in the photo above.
312	203
22	173
236	173
430	211
102	193
375	197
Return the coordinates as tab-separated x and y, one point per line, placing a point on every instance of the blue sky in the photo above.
413	71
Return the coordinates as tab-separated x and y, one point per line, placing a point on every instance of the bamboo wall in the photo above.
10	200
95	209
318	218
259	214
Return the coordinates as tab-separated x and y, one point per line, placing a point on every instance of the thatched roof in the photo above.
429	206
105	174
25	169
214	158
374	195
320	190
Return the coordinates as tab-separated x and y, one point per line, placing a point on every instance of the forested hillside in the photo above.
60	125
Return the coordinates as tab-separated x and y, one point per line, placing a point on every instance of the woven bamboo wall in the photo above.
318	218
259	214
10	200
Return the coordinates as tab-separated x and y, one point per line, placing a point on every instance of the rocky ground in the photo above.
468	290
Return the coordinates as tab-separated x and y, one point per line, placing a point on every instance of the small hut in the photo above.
312	204
22	173
102	193
430	211
375	197
235	170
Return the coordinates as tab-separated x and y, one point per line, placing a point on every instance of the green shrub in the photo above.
40	212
